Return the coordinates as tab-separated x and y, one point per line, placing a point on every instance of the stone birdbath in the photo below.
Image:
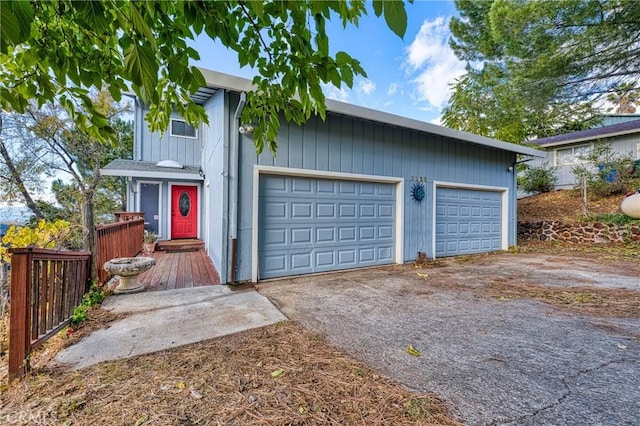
127	269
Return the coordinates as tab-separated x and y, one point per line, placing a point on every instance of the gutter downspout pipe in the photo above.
233	188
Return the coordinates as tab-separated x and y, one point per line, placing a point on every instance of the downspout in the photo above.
233	188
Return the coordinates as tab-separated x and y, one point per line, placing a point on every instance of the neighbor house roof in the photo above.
619	129
237	84
146	169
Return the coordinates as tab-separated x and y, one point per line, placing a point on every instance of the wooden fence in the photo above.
119	239
46	286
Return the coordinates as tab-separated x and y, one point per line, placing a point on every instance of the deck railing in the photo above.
46	286
119	239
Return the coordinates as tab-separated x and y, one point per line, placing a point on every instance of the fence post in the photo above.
20	320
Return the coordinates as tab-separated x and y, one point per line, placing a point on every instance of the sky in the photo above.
409	77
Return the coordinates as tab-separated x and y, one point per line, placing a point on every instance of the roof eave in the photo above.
591	138
150	174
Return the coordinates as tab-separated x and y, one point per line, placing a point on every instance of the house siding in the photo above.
214	210
623	145
155	147
351	145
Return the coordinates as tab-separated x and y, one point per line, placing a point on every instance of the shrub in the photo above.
612	218
540	178
93	297
607	172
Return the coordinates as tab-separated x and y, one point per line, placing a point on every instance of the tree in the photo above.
80	156
20	170
541	67
625	98
62	49
62	147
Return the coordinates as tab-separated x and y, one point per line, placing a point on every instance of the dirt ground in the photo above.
563	206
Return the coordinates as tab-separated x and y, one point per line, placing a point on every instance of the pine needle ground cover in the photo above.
277	375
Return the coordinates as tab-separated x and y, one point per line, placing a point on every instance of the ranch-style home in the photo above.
362	188
569	150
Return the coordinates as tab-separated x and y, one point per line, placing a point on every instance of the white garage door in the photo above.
467	221
311	225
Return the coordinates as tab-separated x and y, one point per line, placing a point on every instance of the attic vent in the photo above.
170	164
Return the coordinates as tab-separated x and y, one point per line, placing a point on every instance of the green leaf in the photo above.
15	23
377	7
141	67
342	58
413	351
92	14
140	25
347	76
258	7
396	16
276	373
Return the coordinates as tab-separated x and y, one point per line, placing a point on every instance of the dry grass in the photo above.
600	302
615	254
277	375
563	206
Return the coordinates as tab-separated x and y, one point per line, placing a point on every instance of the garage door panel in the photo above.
367	211
338	225
347	188
301	235
467	221
347	233
326	235
385	232
276	236
347	210
347	257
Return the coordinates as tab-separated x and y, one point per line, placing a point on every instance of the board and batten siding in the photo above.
155	147
351	145
214	210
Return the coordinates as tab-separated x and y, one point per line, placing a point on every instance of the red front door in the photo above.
184	212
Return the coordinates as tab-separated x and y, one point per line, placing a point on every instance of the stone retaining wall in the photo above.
579	232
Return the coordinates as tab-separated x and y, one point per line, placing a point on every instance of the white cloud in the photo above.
365	87
332	92
430	57
393	89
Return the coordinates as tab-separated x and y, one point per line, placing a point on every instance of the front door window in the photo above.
184	204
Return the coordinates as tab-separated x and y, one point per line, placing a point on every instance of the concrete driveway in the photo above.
496	360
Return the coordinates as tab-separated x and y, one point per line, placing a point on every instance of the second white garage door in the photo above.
311	225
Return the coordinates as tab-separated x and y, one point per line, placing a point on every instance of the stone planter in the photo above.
127	269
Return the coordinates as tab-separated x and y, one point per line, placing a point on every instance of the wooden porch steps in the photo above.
175	246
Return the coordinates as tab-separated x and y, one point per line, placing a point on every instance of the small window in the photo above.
573	155
182	129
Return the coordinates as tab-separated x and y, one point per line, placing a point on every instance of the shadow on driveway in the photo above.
496	361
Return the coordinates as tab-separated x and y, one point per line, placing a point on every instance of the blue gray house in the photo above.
362	188
569	150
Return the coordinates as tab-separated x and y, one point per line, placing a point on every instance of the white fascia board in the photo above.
152	175
238	84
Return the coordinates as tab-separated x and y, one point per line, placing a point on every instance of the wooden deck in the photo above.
180	270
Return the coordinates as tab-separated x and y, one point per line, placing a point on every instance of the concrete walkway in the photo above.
161	320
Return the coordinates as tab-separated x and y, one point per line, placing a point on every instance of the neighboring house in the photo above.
609	119
568	150
340	193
